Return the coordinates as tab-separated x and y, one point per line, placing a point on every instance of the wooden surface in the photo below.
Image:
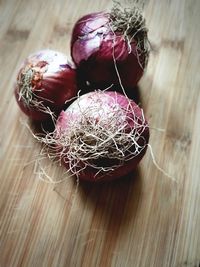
145	220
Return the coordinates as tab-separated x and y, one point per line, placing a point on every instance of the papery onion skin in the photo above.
74	113
94	46
52	84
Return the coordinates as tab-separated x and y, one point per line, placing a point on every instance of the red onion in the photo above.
100	136
45	81
106	46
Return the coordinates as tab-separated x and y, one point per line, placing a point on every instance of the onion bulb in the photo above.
111	47
45	81
100	136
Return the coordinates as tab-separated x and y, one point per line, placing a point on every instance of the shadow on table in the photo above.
114	203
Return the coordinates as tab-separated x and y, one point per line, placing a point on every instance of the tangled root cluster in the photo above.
131	23
25	88
97	131
24	83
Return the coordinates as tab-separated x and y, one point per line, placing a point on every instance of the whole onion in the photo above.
46	80
100	136
111	48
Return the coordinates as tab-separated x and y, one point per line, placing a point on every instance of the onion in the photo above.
46	80
111	48
100	136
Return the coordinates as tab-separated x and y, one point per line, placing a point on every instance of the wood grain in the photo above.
144	220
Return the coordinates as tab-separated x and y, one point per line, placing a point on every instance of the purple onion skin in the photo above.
90	174
55	85
94	47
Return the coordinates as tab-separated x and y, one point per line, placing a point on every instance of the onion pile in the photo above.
111	48
103	134
100	136
46	80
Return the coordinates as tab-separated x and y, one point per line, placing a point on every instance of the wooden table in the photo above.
145	220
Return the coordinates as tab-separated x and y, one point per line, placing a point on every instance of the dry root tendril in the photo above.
131	23
74	160
26	93
89	142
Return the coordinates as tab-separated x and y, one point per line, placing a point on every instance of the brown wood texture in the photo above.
144	220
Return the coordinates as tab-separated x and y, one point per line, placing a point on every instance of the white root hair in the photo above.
49	151
103	141
42	165
26	92
131	23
